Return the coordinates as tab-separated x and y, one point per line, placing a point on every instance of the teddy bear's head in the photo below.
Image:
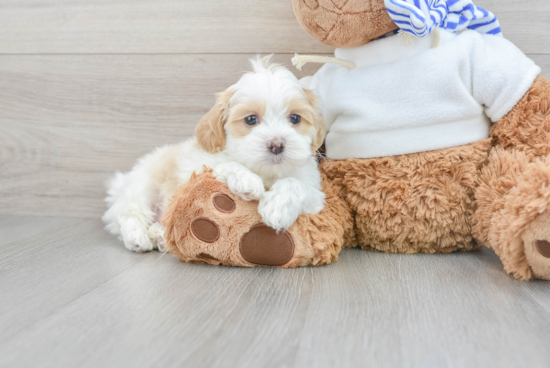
344	23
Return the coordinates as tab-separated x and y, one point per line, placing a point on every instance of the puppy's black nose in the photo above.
276	150
276	146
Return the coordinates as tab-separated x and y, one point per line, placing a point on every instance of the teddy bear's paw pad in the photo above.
263	246
536	241
205	229
223	203
543	248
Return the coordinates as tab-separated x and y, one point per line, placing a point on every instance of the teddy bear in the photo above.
439	132
438	141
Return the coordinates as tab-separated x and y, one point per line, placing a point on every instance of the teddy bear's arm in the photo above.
527	127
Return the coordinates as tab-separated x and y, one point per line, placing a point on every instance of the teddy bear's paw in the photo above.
208	224
536	240
156	235
135	236
221	243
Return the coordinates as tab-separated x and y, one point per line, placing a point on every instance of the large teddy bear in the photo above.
438	141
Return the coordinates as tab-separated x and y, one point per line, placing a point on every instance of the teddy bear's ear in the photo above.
344	23
210	131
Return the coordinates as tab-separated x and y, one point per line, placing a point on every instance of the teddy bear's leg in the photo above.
207	223
513	212
417	203
513	198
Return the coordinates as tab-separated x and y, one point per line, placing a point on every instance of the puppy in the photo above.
260	138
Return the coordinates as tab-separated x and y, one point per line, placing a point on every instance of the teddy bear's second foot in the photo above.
513	212
536	241
207	223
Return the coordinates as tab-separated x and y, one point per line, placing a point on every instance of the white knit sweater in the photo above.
405	97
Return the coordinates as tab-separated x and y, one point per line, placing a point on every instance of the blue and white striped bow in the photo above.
420	17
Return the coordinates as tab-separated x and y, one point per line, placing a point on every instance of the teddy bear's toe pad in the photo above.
263	246
223	203
543	247
205	229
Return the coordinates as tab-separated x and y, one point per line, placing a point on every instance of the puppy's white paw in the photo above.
240	180
248	186
156	235
277	212
315	202
135	236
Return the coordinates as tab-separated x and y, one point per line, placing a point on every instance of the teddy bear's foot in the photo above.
513	214
536	241
207	223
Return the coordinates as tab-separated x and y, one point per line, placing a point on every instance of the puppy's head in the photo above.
267	119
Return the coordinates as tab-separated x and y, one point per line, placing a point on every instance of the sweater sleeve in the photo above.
501	75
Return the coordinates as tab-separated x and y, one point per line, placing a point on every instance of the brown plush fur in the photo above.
527	127
514	190
419	203
318	238
523	204
341	23
502	173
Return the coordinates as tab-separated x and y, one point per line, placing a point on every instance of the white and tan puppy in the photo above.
260	138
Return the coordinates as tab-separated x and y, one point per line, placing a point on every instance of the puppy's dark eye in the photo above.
251	120
295	119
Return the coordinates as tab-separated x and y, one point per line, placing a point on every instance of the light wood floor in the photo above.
72	296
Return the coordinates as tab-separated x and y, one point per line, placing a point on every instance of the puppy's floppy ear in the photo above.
209	131
318	122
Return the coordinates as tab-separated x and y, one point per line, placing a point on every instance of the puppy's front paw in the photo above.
281	206
156	235
135	236
277	212
248	187
240	180
315	202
